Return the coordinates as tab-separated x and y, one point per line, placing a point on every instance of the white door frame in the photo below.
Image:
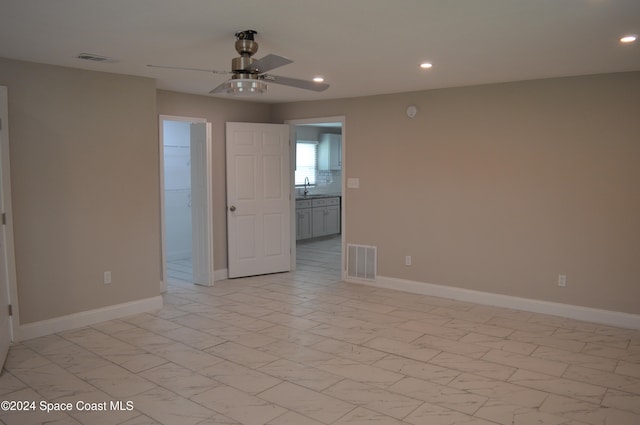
201	204
9	249
343	227
163	240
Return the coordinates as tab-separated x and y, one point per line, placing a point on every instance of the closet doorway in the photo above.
187	238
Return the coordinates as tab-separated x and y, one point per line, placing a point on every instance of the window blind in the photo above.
306	162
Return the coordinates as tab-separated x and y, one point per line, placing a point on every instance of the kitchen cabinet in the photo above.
317	217
303	219
326	217
332	223
330	152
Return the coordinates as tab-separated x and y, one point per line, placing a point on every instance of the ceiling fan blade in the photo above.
295	82
189	69
222	88
268	63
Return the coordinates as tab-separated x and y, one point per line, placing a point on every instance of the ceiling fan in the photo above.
248	74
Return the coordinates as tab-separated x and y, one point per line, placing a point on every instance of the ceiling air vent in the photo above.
95	58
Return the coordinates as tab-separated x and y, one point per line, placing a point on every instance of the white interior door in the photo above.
201	205
5	319
258	199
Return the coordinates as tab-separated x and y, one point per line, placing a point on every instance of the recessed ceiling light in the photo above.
318	79
426	65
628	39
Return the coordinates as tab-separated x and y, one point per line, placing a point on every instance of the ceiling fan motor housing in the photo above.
241	63
246	46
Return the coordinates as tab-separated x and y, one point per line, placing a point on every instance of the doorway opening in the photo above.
9	317
187	239
317	153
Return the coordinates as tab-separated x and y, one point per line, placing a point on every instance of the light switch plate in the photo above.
353	183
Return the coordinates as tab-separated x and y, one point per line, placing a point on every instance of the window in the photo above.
306	162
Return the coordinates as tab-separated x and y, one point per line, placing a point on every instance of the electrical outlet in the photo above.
407	260
107	277
562	280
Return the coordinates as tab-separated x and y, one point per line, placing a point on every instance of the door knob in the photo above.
232	208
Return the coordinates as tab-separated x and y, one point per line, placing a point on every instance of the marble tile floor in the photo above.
303	348
322	255
180	269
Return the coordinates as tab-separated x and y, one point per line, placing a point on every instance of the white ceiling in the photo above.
361	47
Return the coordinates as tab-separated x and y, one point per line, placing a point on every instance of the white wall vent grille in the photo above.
95	58
362	262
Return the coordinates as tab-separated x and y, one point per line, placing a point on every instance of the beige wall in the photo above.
85	179
218	112
496	188
500	188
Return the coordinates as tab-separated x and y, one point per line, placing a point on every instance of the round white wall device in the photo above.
412	111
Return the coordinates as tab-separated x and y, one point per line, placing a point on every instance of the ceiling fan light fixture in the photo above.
318	79
239	86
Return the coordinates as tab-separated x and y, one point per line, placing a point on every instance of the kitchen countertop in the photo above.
318	196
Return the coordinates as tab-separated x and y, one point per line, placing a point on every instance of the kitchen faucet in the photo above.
306	183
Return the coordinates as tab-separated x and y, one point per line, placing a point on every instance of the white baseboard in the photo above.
86	318
587	314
